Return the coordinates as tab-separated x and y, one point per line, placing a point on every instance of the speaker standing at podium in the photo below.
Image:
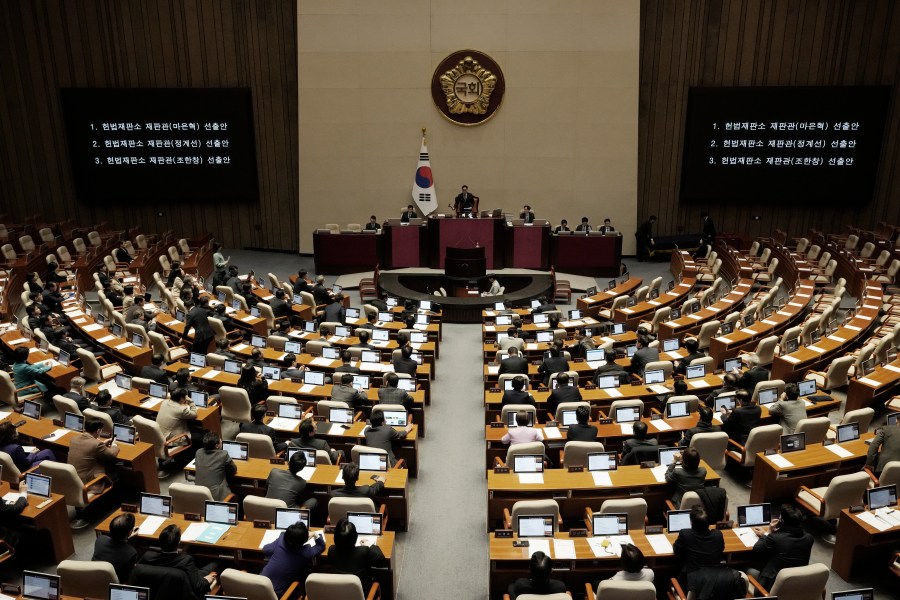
464	204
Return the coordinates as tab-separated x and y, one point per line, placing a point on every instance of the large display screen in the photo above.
161	144
783	144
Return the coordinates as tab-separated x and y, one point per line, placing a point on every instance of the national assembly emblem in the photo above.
467	87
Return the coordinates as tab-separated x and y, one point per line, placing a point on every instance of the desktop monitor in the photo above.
538	318
424	304
618	329
373	461
879	497
611	284
370	356
336	289
74	422
847	432
754	515
511	418
653	295
724	402
101	318
343	331
535	304
158	390
595	355
309	326
366	523
383	335
295	347
40	586
574	315
671	345
602	461
117	330
676	520
499	306
271	373
220	296
726	328
331	352
199	399
609	524
407	385
630	350
361	382
123	382
39	485
197	360
555	383
236	450
314	377
156	505
64	358
608	381
225	513
748	320
528	463
569	418
236	304
670	286
695	372
654	376
807	387
179	315
591	291
285	517
340	415
290	411
534	526
815	336
860	594
504	320
118	591
258	341
867	366
395	418
392	301
123	433
678	409
544	337
422	319
298	299
768	396
385	316
352	313
137	340
233	367
31	409
628	414
793	442
731	364
791	345
675	314
666	456
308	452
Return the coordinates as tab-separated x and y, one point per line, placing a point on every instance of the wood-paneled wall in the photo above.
760	42
49	44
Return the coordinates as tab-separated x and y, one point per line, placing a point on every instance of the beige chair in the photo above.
524	508
277	342
765	351
97	415
711	447
861	416
707	331
694	401
13	396
187	498
94	239
609	589
95	371
235	404
618	303
165	450
86	578
890	475
258	445
161	346
338	507
227	292
242	303
272	402
518	449
80	247
64	405
314	347
576	453
258	508
617	404
660	316
564	406
65	481
843	491
815	428
330	586
26	242
772	384
635	508
241	584
890	275
665	365
265	311
797	583
761	438
323	407
10	472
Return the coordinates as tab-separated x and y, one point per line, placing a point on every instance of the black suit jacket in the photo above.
527	586
553	364
335	312
154	373
740	421
582	433
699	549
405	365
786	547
527	216
642	358
569	393
407	215
283	485
751	377
514	364
514	397
359	561
183	562
122	556
279	307
320	294
198	319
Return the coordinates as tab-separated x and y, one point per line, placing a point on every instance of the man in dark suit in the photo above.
345	392
198	320
389	393
363	341
555	363
644	238
539	582
405	364
290	369
514	363
704	425
350	472
279	305
334	311
114	547
729	381
347	367
584	226
611	368
562	227
303	284
563	393
320	293
517	395
346	557
694	352
785	545
122	255
698	546
409	213
154	371
607	227
287	484
52	299
544	306
256	425
104	405
752	376
527	215
639	440
739	422
643	356
885	447
372	225
200	580
378	435
308	439
708	232
582	431
464	203
686	474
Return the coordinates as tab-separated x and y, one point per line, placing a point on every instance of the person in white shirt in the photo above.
494	289
523	433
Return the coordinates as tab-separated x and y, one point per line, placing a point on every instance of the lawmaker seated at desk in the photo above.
740	421
408	214
782	545
308	439
524	430
346	557
789	409
214	466
291	556
9	443
346	393
639	440
563	227
114	547
513	363
289	485
350	474
517	395
686	474
495	288
199	581
699	548
379	436
389	393
885	448
540	582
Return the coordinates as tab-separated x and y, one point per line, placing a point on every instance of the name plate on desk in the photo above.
260	524
132	508
276	461
653	529
503	533
576	469
580	532
497	425
192	517
500	470
606	421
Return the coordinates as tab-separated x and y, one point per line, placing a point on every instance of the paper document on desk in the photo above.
240	347
839	450
660	543
613	393
193	531
336	429
698	383
596	364
873	521
420	327
724	340
213	373
602	478
490	328
321	361
893	368
531	478
695	316
552	433
248	318
564	549
531	346
307	472
150	525
652	302
106	338
608	545
780	461
307	388
123	345
270	536
79	321
889	515
816	349
213	533
114	390
340	477
95	327
493	369
627	428
151	402
12	497
836	338
853	327
661	425
791	359
56	435
868	381
659	473
746	535
284	423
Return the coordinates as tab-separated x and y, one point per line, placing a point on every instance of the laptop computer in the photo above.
724	402
504	320
768	396
847	432
654	376
726	328
860	594
666	456
31	409
123	382
791	345
137	340
534	526
392	301
676	520
574	315
407	385
236	450
158	390
258	341
361	382
608	381
271	373
157	505
373	461
748	320
618	329
695	372
340	415
385	316
807	387
678	409
671	345
117	330
309	326
308	452
591	291
366	523
627	414
544	337
630	350
879	497
370	356
314	377
118	591
179	315
609	524
343	331
74	422
38	485
285	517
225	513
611	284
528	463
569	418
40	586
511	419
754	515
793	442
675	314
233	367
602	461
124	433
199	399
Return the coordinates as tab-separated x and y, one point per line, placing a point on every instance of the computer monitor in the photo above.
199	399
503	320
31	409
383	335
117	330
544	337
123	382
422	319
64	358
538	318
670	286
768	396
628	414
366	523
555	383
630	350
308	452
574	315
528	463
361	382
695	372
511	418
860	594
606	382
892	418
666	456
314	377
258	341
225	513
791	345
678	409
74	422
290	411
731	364
748	320
236	450
499	306
609	524
179	315
424	304
535	304
340	415
591	291
807	387
793	442
879	497
724	402
867	366
654	376
343	331
395	418
157	505
352	313
118	591
602	461
336	289
595	355
101	318
676	520
754	515
233	367
392	301
370	356
40	586
158	390
726	328
385	316
815	336
373	461
534	526
309	326
197	360
618	329
671	345
39	485
236	305
569	418
298	299
675	314
296	348
416	337
123	433
611	284
285	517
847	432
653	295
137	340
407	385
220	296
271	373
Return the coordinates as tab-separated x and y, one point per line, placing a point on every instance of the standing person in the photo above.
464	203
527	214
585	225
644	237
885	447
198	320
220	263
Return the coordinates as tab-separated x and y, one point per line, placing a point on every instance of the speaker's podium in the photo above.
465	263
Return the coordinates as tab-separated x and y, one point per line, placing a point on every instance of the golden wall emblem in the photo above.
467	87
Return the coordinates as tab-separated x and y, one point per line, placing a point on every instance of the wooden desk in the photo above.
689	324
62	376
169	325
632	316
591	305
576	491
240	547
535	350
53	518
489	332
130	357
253	473
134	402
813	467
859	543
880	383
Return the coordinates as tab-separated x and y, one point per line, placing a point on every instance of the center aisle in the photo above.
446	550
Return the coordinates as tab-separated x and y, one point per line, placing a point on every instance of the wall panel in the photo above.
149	43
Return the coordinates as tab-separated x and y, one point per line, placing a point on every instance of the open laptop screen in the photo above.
880	497
296	348
666	456
695	371
197	360
628	414
569	418
233	367
225	513
123	433
314	377
271	373
724	401
394	418
768	396
39	485
74	422
807	387
32	409
609	524
236	450
340	415
40	586
608	381
158	390
654	376
528	463
156	505
678	409
535	526
670	345
511	419
860	594
361	382
123	381
754	515
290	411
199	399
